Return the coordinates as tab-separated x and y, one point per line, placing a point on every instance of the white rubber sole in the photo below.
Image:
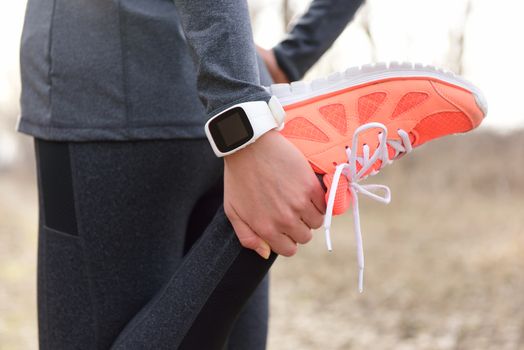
302	90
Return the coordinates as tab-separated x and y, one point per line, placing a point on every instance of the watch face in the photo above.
231	129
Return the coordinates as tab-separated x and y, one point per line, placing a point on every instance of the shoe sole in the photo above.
301	91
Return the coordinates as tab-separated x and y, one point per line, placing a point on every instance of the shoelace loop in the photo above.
349	170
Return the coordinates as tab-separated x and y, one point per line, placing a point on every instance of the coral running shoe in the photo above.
352	124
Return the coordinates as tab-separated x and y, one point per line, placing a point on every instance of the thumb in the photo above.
247	237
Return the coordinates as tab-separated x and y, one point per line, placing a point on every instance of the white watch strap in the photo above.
278	111
262	117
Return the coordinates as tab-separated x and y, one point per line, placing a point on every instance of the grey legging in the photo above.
135	251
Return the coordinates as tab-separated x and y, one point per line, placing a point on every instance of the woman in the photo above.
128	183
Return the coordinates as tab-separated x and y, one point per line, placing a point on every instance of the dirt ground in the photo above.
444	261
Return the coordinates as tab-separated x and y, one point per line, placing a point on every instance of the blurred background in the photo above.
444	261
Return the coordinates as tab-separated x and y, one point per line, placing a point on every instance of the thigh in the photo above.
113	223
250	329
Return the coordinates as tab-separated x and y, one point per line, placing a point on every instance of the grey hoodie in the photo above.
150	69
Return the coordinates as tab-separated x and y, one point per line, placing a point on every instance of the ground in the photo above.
444	260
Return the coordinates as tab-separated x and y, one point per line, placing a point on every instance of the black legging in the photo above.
135	251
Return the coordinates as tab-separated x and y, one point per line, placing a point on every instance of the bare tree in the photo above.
365	23
460	55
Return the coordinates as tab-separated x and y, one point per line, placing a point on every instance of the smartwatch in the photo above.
241	124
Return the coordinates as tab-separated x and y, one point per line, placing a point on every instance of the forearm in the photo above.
220	40
313	35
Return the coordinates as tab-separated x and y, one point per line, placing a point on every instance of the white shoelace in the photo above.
349	170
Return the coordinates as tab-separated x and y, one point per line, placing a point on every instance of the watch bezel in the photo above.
217	135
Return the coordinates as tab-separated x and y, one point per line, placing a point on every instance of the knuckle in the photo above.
301	203
312	187
318	222
317	225
305	237
305	202
249	242
286	219
316	191
288	250
268	233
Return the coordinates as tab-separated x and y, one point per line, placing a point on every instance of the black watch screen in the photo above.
231	129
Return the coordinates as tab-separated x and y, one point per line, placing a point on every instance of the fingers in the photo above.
299	231
281	243
317	196
312	217
312	211
247	237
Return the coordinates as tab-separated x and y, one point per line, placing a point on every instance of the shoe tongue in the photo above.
325	162
368	137
391	150
373	146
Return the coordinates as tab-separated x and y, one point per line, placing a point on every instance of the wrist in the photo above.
242	124
263	141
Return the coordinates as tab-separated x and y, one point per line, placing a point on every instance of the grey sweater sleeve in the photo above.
313	34
220	40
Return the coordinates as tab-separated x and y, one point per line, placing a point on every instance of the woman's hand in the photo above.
268	56
272	196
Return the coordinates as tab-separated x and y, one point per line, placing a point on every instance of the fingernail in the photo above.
264	251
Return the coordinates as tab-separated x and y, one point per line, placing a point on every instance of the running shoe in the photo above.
350	125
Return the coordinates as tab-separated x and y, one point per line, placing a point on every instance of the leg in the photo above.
250	329
123	252
207	303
